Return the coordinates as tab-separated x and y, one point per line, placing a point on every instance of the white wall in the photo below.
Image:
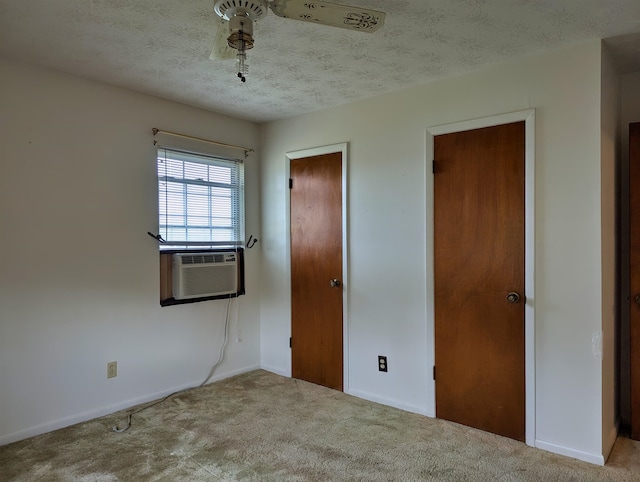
387	195
79	282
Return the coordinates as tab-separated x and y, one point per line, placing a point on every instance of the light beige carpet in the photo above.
263	427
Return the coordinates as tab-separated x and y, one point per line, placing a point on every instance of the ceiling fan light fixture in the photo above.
241	36
241	14
241	39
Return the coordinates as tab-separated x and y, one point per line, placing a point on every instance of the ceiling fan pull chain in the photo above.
242	56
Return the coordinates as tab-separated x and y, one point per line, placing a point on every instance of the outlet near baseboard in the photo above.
382	363
112	369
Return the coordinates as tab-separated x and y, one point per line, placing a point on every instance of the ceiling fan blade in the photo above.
221	49
327	13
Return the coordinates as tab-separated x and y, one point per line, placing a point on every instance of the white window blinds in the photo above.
200	200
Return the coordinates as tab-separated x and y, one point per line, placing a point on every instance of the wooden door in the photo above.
316	269
479	261
634	271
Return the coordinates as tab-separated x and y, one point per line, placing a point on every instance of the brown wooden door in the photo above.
479	260
316	260
634	270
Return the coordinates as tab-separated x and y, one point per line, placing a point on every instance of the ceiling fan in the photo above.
235	31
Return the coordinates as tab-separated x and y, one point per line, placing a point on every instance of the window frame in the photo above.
235	187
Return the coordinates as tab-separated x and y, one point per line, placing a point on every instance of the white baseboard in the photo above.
230	374
361	394
108	409
387	401
276	370
593	458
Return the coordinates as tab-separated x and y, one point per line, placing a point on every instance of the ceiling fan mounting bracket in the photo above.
253	9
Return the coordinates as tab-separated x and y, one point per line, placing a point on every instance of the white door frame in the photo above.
528	116
319	151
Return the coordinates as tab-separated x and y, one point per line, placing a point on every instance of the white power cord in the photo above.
224	345
213	368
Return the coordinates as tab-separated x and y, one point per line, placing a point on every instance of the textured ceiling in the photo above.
162	47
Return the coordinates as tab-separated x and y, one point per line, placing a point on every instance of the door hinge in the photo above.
290	183
433	166
290	343
434	372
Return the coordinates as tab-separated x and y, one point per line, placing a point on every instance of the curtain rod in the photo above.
184	136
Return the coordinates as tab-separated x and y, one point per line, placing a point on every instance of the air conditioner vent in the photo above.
200	275
202	258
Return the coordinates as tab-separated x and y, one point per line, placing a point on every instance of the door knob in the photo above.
637	299
513	297
334	283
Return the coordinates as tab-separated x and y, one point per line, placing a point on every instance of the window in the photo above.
201	208
201	201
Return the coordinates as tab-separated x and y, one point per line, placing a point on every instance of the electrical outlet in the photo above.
112	369
382	363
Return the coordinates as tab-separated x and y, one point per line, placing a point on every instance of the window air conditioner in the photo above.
199	275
